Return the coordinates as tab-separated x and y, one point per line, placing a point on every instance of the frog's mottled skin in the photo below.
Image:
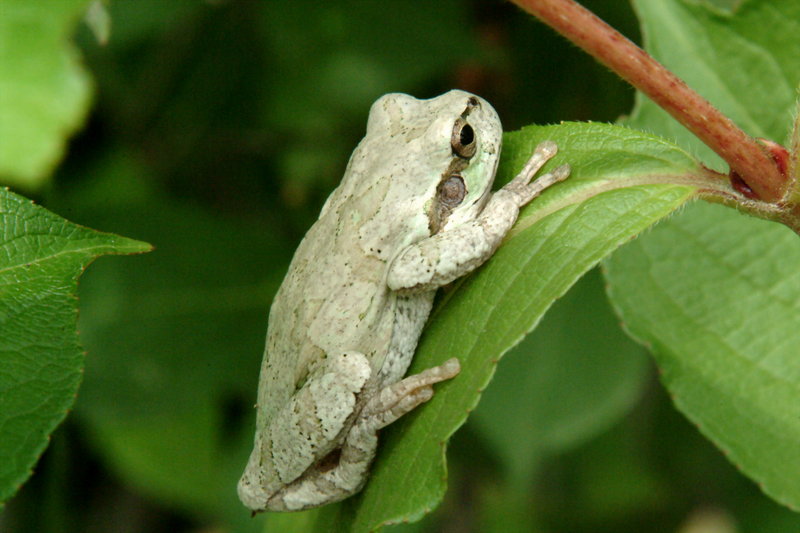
344	325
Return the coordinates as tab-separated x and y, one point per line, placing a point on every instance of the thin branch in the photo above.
747	158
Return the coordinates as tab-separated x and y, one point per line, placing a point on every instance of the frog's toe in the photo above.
547	149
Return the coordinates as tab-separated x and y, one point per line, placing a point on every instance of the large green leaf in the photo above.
41	363
720	312
617	189
567	381
44	92
713	293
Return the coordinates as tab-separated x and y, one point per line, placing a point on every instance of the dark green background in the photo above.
217	132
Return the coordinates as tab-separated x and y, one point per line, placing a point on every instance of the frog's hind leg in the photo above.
283	471
386	406
343	471
397	399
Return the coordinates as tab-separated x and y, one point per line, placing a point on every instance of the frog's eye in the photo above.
451	192
463	139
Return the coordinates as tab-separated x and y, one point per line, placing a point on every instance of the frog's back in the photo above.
333	289
335	297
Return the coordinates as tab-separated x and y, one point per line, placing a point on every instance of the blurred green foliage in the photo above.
218	130
45	93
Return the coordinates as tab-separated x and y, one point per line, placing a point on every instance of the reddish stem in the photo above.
747	159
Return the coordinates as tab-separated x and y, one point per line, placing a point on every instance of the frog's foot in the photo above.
389	404
521	185
397	399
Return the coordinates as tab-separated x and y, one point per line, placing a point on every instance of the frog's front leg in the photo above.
453	252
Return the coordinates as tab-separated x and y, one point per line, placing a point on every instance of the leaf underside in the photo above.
713	293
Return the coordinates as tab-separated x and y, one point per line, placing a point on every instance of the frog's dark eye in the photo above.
451	192
463	139
467	135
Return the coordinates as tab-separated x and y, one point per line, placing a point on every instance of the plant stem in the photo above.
746	157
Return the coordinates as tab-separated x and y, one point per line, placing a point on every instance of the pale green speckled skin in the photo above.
345	322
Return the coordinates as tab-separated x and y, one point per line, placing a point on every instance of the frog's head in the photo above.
470	134
447	147
431	161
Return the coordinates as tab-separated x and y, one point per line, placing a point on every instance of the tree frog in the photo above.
413	212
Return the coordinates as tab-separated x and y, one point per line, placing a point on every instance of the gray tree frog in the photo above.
413	212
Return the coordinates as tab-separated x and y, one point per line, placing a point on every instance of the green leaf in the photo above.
747	64
711	292
552	392
41	363
44	91
617	189
718	307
